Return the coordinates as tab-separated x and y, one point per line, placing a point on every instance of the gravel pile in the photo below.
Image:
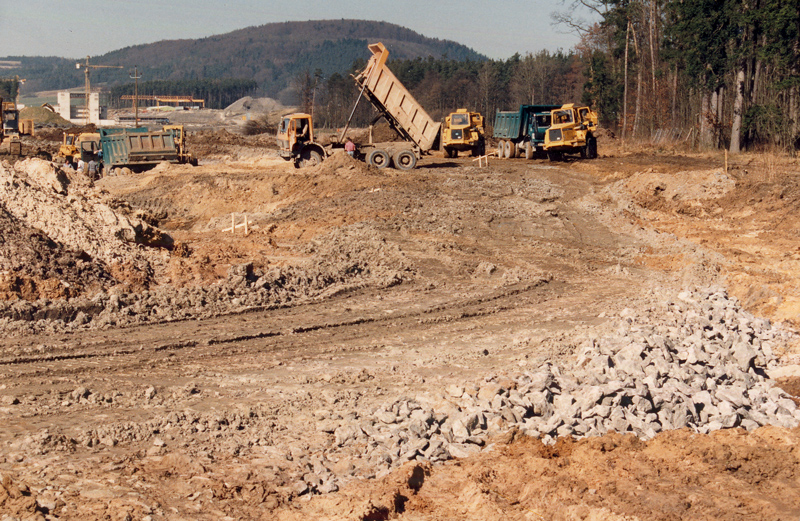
698	362
695	362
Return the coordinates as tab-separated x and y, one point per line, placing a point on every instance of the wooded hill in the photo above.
273	55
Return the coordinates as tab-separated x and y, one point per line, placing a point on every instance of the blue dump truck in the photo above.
522	132
140	148
137	147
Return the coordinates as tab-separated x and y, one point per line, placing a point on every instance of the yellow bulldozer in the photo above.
83	145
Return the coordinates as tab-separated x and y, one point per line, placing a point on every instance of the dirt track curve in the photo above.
505	269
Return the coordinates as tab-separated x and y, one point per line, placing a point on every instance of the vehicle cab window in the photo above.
459	119
564	116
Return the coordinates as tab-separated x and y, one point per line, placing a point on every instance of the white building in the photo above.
76	113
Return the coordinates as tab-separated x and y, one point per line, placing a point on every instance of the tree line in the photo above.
442	85
729	70
714	73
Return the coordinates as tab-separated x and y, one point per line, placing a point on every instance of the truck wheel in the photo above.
405	160
528	151
591	147
511	150
501	149
379	158
584	154
309	157
554	156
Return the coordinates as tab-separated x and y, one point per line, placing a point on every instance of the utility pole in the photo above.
87	67
136	77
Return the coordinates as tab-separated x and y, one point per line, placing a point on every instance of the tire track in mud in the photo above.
200	346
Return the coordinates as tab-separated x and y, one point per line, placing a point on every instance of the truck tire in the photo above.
528	151
501	149
591	147
511	150
379	158
405	160
584	153
309	157
554	156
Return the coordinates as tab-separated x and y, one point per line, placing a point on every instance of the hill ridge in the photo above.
271	54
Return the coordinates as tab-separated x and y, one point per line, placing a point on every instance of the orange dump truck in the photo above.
393	102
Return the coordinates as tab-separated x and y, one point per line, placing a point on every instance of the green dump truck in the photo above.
522	132
140	148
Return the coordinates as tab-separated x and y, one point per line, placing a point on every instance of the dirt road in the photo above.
419	290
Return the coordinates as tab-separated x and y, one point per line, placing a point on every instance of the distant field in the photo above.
37	100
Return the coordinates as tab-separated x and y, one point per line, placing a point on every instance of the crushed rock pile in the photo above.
699	362
694	362
57	227
346	259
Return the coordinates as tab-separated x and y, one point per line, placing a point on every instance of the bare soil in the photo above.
412	283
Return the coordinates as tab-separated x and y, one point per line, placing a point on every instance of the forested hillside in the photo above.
272	55
729	70
707	73
710	73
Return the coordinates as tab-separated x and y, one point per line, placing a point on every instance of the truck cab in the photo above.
463	131
572	131
79	146
296	140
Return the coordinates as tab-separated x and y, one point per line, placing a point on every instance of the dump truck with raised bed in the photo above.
463	132
572	132
522	132
394	103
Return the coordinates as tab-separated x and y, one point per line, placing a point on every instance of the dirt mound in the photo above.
677	475
340	163
16	499
682	190
43	116
253	106
344	260
57	227
33	266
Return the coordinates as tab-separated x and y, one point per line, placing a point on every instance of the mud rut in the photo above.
110	391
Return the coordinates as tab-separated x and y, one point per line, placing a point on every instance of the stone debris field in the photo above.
613	339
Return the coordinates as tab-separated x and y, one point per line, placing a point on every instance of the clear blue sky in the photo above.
75	29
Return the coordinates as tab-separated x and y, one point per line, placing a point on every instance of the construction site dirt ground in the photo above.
483	272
